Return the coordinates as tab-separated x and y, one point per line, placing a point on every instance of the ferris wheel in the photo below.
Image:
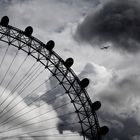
41	97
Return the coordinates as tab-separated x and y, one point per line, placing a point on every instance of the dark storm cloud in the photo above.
116	21
121	97
129	129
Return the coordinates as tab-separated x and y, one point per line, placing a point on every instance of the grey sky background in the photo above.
80	28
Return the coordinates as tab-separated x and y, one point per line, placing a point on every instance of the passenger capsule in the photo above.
104	130
96	106
28	31
69	62
50	45
4	21
84	83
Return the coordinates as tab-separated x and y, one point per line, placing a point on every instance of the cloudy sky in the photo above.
81	29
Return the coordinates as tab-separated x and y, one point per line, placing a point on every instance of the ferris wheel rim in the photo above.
9	32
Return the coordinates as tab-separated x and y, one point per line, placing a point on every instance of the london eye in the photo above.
40	95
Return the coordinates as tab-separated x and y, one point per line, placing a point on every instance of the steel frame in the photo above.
67	78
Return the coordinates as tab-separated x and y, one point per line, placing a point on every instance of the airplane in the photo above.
105	47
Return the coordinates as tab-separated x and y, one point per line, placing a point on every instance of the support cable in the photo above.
8	70
12	79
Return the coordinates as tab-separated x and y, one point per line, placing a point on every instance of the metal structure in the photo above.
60	69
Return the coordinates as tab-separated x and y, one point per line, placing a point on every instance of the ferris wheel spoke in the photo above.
21	125
49	101
25	98
12	79
45	130
14	89
5	121
44	136
4	56
54	109
29	79
8	71
26	85
16	97
23	77
20	81
22	91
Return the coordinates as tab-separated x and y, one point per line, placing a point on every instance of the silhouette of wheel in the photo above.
40	95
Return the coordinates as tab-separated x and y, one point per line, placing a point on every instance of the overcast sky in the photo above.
80	28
